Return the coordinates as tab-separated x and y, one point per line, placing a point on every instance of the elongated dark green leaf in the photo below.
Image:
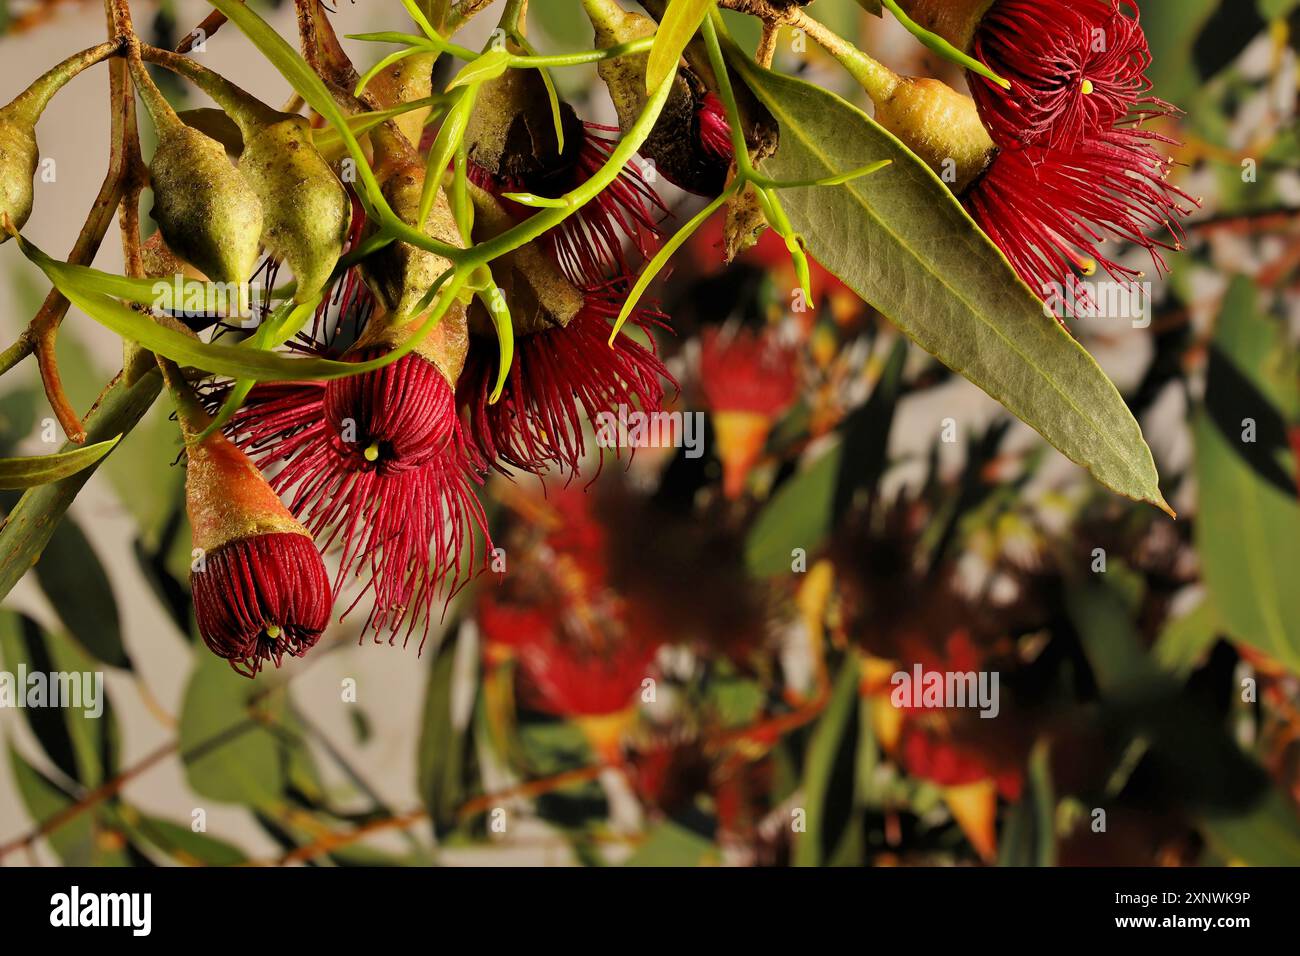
32	521
901	241
80	735
72	577
679	24
42	469
74	842
823	750
442	744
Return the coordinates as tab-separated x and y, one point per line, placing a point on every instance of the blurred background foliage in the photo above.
1162	690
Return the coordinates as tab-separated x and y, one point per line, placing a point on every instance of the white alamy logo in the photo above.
131	910
37	689
945	689
631	428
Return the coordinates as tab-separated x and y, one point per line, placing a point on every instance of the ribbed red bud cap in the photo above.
394	418
260	588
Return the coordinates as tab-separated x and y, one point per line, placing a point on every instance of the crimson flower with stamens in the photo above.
1075	68
588	245
560	376
581	650
747	379
260	588
715	131
377	463
1048	209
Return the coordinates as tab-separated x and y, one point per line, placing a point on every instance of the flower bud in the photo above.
19	154
684	143
205	208
307	212
954	20
260	588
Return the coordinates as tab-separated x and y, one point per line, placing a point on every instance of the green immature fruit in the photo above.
306	212
941	126
400	274
674	144
18	159
19	154
205	208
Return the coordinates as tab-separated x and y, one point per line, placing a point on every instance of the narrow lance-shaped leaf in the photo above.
42	469
903	242
681	20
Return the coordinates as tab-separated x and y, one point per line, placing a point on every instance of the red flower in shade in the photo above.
260	598
715	131
930	755
1047	209
377	462
558	377
747	380
588	245
1075	68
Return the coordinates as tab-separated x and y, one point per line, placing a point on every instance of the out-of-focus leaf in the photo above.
83	840
228	755
1172	28
803	511
72	577
442	748
823	754
669	844
43	469
80	735
1266	836
1248	538
903	242
179	842
1185	639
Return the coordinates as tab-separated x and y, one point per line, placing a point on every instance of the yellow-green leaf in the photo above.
42	469
681	20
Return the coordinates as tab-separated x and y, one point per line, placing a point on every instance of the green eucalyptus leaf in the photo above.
42	469
902	241
681	20
829	737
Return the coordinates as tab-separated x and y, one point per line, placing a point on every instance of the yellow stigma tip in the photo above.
1087	87
371	453
272	631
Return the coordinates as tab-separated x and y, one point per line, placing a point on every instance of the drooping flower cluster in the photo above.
1074	164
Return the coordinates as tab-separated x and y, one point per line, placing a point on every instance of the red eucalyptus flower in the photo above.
1048	209
560	376
582	654
748	379
377	462
1076	68
715	131
588	245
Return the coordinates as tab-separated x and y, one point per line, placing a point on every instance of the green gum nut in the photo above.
18	159
19	154
940	125
205	208
306	211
